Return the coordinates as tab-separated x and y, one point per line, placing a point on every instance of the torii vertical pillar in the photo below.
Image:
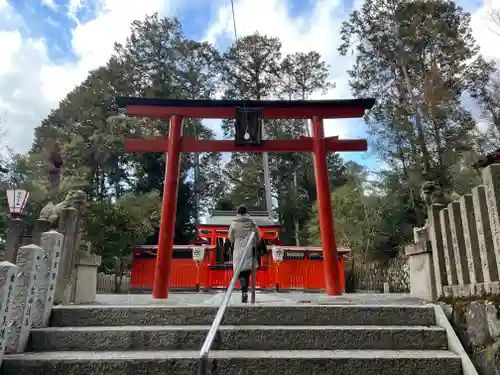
330	258
163	268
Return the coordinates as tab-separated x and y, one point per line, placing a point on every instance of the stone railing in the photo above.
457	253
28	288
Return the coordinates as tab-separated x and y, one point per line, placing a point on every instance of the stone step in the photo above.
237	338
73	316
341	362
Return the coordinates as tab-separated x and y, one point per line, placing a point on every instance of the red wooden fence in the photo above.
290	274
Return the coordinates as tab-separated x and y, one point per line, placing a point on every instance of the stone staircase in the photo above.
261	339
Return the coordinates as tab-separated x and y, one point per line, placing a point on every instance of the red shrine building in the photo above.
301	268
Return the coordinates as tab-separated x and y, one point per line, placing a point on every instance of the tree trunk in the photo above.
426	164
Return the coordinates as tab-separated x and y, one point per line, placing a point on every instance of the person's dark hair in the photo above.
242	210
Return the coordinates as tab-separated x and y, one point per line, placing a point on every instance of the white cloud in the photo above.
318	31
485	31
93	42
30	84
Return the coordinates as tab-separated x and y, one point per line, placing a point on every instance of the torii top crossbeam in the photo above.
248	115
225	109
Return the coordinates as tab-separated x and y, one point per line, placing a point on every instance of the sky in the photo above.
47	47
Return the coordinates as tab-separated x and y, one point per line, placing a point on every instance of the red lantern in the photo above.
17	199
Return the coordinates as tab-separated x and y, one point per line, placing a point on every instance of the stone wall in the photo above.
371	276
477	324
457	253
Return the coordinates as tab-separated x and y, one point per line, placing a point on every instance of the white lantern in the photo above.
278	254
198	254
17	199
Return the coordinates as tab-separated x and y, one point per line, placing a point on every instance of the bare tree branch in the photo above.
494	16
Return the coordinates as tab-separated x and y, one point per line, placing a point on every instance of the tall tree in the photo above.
417	58
163	63
249	70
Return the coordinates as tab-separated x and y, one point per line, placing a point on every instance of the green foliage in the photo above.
358	217
115	228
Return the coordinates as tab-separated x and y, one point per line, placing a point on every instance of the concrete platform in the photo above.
262	297
333	362
260	314
238	338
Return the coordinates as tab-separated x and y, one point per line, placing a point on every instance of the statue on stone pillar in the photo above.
432	193
74	198
66	218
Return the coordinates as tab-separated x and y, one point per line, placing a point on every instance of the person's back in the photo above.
239	233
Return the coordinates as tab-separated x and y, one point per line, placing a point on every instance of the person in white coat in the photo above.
240	230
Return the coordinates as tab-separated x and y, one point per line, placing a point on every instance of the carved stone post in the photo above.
13	242
436	237
458	243
449	254
484	235
29	262
422	280
52	244
68	226
86	277
491	180
41	225
471	239
8	282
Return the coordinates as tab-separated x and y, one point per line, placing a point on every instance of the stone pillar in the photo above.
29	260
51	244
491	180
484	236
435	234
422	279
86	278
13	242
449	255
458	241
8	282
68	225
471	239
41	226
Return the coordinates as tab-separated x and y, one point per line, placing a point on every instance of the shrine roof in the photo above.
224	218
158	107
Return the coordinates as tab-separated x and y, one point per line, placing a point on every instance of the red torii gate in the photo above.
176	110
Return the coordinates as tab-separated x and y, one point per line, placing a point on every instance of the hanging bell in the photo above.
248	126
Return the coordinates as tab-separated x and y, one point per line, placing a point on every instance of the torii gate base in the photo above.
176	110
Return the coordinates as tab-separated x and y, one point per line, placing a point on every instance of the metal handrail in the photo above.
209	340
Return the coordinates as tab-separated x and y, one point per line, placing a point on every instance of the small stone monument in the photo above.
8	282
52	245
29	260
